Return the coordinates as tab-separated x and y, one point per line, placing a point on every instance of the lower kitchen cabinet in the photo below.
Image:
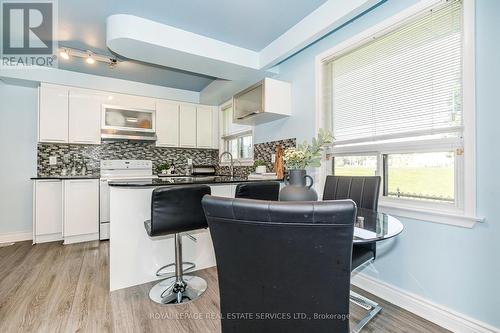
47	211
81	210
66	210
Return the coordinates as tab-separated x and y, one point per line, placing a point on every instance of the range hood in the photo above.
120	123
265	101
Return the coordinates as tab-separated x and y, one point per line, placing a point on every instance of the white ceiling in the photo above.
249	24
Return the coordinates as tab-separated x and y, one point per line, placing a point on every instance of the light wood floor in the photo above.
55	288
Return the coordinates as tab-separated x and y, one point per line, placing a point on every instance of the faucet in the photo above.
231	165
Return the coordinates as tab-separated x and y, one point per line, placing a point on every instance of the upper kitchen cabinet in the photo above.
131	101
187	126
204	128
167	124
53	113
85	116
265	101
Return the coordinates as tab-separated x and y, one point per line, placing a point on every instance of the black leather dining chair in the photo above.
262	190
364	191
282	266
174	210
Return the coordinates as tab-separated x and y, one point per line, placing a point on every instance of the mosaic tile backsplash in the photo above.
263	151
91	155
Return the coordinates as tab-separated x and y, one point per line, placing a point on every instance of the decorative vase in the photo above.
296	188
261	169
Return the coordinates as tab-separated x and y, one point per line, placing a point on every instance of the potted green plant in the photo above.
260	166
296	161
163	168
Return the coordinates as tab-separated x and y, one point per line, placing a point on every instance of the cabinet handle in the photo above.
53	140
81	180
84	141
248	115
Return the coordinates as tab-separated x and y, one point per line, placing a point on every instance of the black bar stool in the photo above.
177	209
262	190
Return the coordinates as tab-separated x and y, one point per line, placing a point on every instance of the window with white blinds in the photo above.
235	138
406	83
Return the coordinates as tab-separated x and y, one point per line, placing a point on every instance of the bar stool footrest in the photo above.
190	267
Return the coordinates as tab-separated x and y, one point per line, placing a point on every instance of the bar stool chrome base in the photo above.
173	291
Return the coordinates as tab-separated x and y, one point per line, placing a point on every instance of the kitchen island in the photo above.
134	257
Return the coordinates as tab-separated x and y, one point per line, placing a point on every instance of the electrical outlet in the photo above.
52	160
273	158
190	161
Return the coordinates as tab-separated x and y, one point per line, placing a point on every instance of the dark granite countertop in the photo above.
165	181
64	177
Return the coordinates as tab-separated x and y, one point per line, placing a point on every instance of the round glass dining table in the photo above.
372	226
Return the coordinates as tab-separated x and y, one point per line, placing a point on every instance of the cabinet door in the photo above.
187	126
132	101
48	208
204	134
167	124
84	118
53	114
81	207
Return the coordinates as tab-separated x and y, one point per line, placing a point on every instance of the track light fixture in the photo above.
89	57
63	53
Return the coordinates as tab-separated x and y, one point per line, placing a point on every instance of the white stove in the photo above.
118	170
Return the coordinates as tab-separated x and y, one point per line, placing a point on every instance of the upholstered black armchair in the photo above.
282	266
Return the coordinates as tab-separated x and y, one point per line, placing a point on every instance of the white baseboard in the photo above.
438	314
81	238
10	237
48	238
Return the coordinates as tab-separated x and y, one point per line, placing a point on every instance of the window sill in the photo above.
455	218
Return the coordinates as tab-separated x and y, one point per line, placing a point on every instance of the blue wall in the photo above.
452	266
18	116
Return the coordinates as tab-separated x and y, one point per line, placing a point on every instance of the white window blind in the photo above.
406	83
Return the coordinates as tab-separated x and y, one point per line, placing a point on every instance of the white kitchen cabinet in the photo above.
131	101
85	117
204	128
167	124
81	210
187	126
53	113
47	211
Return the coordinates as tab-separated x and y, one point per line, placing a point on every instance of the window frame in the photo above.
224	138
463	212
